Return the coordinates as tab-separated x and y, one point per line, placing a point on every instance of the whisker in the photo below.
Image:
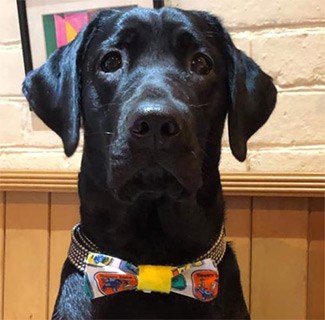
194	154
198	105
108	104
97	133
108	146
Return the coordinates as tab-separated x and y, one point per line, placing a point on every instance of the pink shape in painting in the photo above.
60	30
77	20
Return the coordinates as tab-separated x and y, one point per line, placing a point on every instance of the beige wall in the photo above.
285	37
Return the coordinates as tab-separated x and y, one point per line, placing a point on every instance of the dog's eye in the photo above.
201	64
111	62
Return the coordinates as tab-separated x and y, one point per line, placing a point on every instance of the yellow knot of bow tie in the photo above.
105	275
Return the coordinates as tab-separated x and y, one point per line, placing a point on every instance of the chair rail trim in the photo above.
235	184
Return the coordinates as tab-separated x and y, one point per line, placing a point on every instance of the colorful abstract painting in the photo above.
61	28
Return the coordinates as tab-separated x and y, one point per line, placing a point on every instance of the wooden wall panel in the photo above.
279	258
316	279
64	215
26	256
238	229
279	242
2	239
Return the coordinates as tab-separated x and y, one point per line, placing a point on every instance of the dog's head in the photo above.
153	88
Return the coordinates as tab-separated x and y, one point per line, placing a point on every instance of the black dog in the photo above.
152	89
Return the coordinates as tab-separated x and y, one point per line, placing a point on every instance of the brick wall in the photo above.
285	37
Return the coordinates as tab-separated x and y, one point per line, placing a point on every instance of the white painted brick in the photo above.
32	159
47	139
41	136
298	119
242	42
44	139
11	70
288	160
291	141
237	13
36	123
225	136
292	59
9	26
37	134
229	163
10	123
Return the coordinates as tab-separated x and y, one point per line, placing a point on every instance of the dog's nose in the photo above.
162	126
158	125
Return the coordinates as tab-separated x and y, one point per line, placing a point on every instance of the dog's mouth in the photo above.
153	181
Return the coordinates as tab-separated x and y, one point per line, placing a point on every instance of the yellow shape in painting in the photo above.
71	32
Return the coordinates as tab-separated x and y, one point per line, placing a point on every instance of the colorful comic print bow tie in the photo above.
105	275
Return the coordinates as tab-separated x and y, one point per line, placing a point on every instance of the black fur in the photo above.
151	196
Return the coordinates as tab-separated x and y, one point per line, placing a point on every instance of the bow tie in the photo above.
106	275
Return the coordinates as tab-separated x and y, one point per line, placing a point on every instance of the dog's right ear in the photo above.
53	90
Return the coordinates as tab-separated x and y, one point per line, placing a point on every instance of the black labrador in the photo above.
152	89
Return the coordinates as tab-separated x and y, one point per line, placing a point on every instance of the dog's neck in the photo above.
151	231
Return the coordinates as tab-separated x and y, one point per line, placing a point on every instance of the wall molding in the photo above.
235	184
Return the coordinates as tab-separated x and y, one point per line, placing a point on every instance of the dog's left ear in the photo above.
252	93
53	90
253	98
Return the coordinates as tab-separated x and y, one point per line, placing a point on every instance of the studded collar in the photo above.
80	247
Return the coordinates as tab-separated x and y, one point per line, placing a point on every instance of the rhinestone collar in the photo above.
80	246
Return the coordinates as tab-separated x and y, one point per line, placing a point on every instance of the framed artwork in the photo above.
46	25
